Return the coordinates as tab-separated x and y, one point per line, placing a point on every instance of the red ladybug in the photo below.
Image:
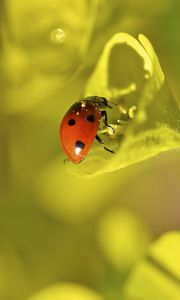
79	127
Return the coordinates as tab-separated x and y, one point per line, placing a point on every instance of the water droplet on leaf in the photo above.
57	36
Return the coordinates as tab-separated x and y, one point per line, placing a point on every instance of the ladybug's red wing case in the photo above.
78	129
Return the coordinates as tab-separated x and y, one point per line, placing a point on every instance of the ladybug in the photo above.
80	124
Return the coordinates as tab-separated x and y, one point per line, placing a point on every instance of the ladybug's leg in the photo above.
102	142
66	160
105	119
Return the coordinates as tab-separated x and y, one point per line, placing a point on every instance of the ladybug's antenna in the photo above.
109	103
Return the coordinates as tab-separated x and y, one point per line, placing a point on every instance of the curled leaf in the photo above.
129	74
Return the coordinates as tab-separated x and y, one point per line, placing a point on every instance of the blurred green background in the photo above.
56	227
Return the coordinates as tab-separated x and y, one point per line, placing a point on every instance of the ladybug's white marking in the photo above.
78	150
83	104
79	146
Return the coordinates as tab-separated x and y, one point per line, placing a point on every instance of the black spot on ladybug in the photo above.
91	118
71	122
80	144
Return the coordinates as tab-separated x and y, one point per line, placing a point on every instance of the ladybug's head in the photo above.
100	101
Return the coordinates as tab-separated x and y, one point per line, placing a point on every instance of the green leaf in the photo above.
128	72
158	275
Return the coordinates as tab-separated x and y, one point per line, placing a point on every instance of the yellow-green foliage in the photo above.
97	230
